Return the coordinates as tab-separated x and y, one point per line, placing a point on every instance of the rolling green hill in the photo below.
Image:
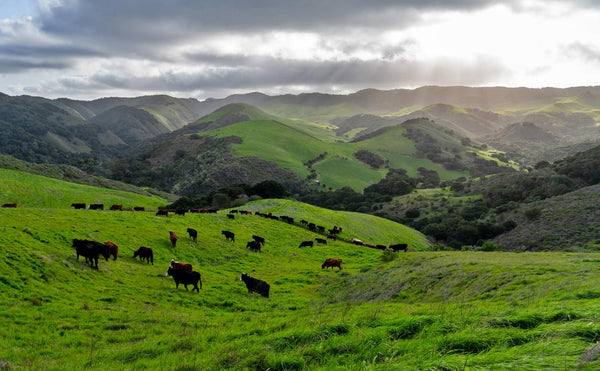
73	174
421	310
29	190
198	157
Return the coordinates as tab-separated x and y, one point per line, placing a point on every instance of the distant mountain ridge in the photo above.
67	130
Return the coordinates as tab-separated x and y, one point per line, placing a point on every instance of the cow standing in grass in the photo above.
253	245
256	285
332	262
113	249
193	234
144	253
306	244
91	250
259	239
173	238
228	235
185	277
398	247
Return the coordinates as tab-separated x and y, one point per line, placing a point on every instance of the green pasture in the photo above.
421	310
291	147
274	141
337	172
29	190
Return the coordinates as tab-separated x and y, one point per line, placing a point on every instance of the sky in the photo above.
87	49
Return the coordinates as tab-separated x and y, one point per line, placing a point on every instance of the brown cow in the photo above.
139	208
162	212
14	204
173	238
116	207
185	266
113	249
332	262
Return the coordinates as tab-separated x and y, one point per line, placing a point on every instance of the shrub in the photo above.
412	213
489	246
533	213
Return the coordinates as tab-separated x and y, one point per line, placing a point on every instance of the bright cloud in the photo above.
88	49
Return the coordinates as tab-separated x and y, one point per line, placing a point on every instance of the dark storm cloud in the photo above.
13	65
155	21
270	72
191	46
45	51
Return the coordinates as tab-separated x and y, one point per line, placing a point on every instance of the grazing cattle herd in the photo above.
183	272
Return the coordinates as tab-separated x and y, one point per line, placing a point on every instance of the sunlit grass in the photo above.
422	310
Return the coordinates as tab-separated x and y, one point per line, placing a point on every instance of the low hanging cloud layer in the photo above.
88	49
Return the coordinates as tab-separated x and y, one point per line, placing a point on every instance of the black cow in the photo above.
321	228
193	234
398	247
180	212
144	253
321	240
78	206
259	239
381	247
97	207
228	235
185	277
312	226
91	250
231	216
306	243
253	245
256	285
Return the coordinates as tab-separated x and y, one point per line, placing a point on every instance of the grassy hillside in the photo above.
72	174
368	228
333	162
424	310
287	147
29	190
